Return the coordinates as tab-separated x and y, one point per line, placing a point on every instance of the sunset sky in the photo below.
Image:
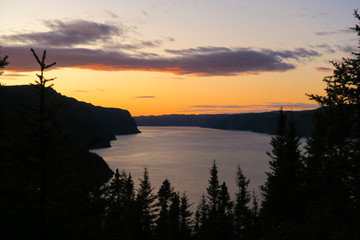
180	56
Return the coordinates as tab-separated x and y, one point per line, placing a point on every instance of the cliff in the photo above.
85	123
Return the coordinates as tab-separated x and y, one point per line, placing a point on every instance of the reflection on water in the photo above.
184	155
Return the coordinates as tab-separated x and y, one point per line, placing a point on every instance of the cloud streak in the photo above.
224	62
335	32
324	69
146	97
256	107
71	44
67	34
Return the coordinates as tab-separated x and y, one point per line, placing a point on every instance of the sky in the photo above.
155	57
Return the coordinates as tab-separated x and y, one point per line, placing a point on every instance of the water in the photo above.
184	155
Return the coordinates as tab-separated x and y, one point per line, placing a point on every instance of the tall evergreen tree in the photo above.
185	217
174	217
282	203
333	154
202	219
147	206
164	196
242	221
213	189
225	215
121	209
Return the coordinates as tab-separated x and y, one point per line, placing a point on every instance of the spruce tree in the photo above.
333	154
120	206
242	211
164	196
213	190
282	192
185	217
202	219
225	215
3	63
147	206
174	217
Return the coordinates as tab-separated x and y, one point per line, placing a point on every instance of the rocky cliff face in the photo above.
85	123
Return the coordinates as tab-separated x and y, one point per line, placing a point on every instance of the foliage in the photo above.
333	154
3	63
147	206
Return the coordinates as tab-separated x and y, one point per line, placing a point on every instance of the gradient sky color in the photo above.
180	56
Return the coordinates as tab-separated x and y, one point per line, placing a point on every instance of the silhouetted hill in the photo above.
257	122
84	122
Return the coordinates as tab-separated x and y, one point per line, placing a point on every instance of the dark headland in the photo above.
84	122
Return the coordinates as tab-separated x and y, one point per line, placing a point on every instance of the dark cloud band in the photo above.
223	62
71	44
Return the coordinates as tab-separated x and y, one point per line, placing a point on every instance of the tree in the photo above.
201	219
174	217
3	63
165	197
282	204
333	154
241	212
185	217
120	214
213	189
225	217
48	192
147	206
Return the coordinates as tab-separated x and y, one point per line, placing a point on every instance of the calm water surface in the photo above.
184	155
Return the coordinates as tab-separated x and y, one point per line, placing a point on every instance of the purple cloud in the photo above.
266	106
323	69
67	34
145	97
220	62
67	41
335	32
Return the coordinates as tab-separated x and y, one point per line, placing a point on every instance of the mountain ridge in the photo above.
86	124
264	122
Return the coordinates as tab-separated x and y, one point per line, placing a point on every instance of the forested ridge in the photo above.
256	122
85	122
310	193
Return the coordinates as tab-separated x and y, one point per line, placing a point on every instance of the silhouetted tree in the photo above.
242	211
213	190
282	203
225	215
201	219
174	217
49	194
120	207
333	154
147	206
164	196
185	218
3	63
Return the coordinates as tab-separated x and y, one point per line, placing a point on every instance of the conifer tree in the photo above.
164	196
282	190
213	189
118	202
147	206
185	217
225	215
241	211
174	216
214	225
202	219
333	154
